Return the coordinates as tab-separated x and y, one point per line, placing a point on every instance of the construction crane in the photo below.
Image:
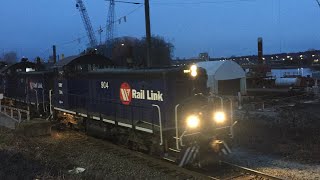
110	23
87	23
318	2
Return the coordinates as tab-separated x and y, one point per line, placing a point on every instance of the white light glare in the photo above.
193	70
193	121
194	73
219	117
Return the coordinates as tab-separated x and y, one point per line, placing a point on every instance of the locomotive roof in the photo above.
65	61
4	68
18	64
37	72
132	70
82	59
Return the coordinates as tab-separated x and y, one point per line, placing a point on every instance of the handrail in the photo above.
11	112
43	105
231	117
160	123
37	100
221	99
50	101
176	124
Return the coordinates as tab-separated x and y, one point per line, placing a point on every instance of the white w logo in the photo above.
125	94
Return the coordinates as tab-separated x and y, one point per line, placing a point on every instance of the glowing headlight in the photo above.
219	117
193	121
194	73
193	70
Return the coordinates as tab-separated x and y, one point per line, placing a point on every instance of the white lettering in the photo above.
104	85
154	96
138	94
149	95
160	96
134	94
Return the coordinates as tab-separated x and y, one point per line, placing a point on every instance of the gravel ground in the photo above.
51	157
275	166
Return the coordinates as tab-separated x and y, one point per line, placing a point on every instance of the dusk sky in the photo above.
219	27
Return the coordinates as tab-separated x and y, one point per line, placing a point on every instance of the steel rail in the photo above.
161	165
252	171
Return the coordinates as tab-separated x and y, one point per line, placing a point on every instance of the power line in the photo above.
200	2
127	2
154	2
84	36
186	3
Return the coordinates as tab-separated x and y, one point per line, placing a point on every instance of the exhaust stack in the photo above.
260	51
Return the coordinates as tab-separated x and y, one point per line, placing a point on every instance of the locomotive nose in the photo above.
219	146
204	153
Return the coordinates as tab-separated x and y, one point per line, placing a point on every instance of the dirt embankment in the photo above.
28	158
52	157
293	132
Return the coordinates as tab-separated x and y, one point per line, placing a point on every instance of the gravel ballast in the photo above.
275	165
54	156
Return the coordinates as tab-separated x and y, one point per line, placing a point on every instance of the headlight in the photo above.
194	73
193	121
193	67
219	117
193	70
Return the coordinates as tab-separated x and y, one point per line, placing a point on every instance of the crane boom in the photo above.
87	23
318	2
110	22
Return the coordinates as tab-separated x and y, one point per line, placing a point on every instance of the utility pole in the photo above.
148	31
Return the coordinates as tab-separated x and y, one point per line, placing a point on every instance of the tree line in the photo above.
123	51
9	57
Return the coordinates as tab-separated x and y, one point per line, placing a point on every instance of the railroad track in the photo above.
224	170
170	169
235	172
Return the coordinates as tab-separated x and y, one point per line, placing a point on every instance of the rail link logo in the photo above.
127	94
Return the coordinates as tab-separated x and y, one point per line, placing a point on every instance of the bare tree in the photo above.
129	51
161	51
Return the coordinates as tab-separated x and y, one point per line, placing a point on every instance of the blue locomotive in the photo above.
165	111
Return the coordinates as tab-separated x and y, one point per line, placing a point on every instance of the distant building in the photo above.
204	56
